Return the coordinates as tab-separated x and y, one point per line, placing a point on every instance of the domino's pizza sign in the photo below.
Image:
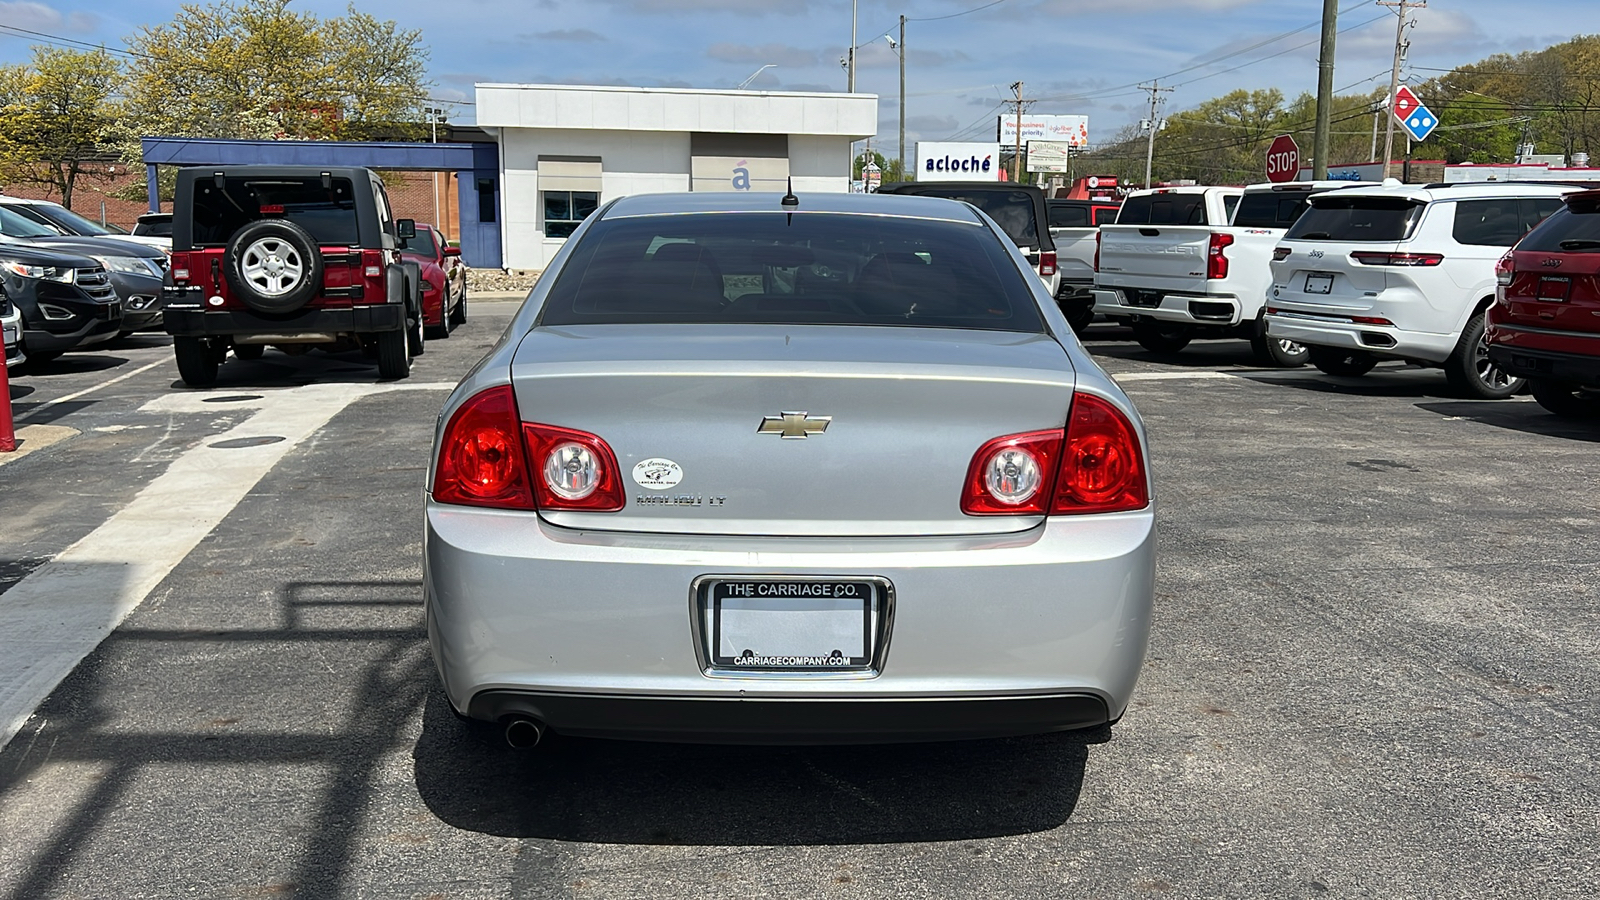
1413	115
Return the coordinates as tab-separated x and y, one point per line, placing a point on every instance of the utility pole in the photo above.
1400	7
1319	143
1154	125
850	67
902	98
1021	104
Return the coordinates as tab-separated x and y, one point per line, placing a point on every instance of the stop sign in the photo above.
1283	159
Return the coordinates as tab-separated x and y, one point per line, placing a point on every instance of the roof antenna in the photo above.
790	200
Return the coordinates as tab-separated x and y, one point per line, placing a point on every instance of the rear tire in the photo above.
1470	371
394	357
1344	363
1277	352
249	351
1161	337
1565	399
197	362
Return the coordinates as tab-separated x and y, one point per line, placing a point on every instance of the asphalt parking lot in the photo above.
1372	670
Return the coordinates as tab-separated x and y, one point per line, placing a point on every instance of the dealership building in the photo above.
567	149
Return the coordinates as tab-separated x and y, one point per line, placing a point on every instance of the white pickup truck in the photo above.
1188	262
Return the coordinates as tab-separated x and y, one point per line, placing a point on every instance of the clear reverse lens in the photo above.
1012	476
571	471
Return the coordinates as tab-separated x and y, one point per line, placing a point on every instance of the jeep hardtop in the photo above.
288	256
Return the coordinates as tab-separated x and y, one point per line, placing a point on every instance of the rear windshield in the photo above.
1069	216
1163	209
1356	219
329	214
1270	209
804	269
157	228
1012	210
1574	229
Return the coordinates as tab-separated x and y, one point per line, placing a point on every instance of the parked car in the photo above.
1018	209
288	256
69	222
1545	323
444	280
157	225
11	331
136	270
1075	230
730	446
66	300
1403	272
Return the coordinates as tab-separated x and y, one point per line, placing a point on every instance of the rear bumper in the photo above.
356	319
795	721
1549	365
1041	630
1189	309
1379	340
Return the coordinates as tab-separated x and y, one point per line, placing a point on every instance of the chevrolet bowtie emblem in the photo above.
794	425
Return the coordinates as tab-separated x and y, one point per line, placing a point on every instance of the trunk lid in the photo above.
1158	257
906	409
1564	296
1322	276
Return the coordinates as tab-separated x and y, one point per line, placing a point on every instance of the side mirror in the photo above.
405	229
452	251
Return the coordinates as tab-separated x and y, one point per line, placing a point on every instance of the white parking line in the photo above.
88	390
58	614
1173	376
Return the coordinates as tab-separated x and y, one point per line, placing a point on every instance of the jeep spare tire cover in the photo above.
273	266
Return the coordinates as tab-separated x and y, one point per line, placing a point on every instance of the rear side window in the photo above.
1163	209
329	214
804	269
1575	229
1356	219
1492	223
1271	209
1068	217
1105	215
1012	210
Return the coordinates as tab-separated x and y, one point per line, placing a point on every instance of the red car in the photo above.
1545	322
444	280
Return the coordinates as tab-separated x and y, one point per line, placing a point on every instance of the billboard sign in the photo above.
1072	130
1049	156
957	161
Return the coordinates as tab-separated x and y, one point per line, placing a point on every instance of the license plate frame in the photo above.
1319	283
1553	289
786	619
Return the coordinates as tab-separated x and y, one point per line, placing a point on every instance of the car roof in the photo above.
7	198
1425	193
744	202
1183	189
1331	184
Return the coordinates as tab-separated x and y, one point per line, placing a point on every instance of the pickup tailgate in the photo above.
1156	257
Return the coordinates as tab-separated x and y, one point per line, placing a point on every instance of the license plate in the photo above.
1319	283
792	624
1554	289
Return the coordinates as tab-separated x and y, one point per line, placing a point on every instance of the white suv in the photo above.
1402	272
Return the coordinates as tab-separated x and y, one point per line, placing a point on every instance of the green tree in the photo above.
256	70
58	113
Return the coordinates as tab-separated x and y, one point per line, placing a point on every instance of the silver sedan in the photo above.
759	469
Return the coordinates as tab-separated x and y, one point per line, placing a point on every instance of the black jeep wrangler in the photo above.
292	257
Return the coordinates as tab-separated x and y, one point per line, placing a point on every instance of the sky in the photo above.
1074	56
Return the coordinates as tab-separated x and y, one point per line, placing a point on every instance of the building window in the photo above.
563	210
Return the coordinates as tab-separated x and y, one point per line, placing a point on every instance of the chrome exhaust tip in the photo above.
524	733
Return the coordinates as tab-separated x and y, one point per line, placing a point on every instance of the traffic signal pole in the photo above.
1400	7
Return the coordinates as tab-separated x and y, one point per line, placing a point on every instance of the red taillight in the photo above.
1216	260
180	266
1047	263
572	469
1097	466
372	263
272	209
1012	475
1378	258
1279	254
1102	464
1371	320
1505	269
481	459
1097	251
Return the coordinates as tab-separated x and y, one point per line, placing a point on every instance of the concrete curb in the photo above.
519	296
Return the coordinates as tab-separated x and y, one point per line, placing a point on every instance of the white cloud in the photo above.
775	54
34	16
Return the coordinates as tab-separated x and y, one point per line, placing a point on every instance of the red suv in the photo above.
1545	322
292	257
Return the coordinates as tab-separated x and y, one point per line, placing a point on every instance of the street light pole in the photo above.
1394	74
902	98
850	67
434	112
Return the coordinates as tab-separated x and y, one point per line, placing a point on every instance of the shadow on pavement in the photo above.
624	792
1526	417
75	363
